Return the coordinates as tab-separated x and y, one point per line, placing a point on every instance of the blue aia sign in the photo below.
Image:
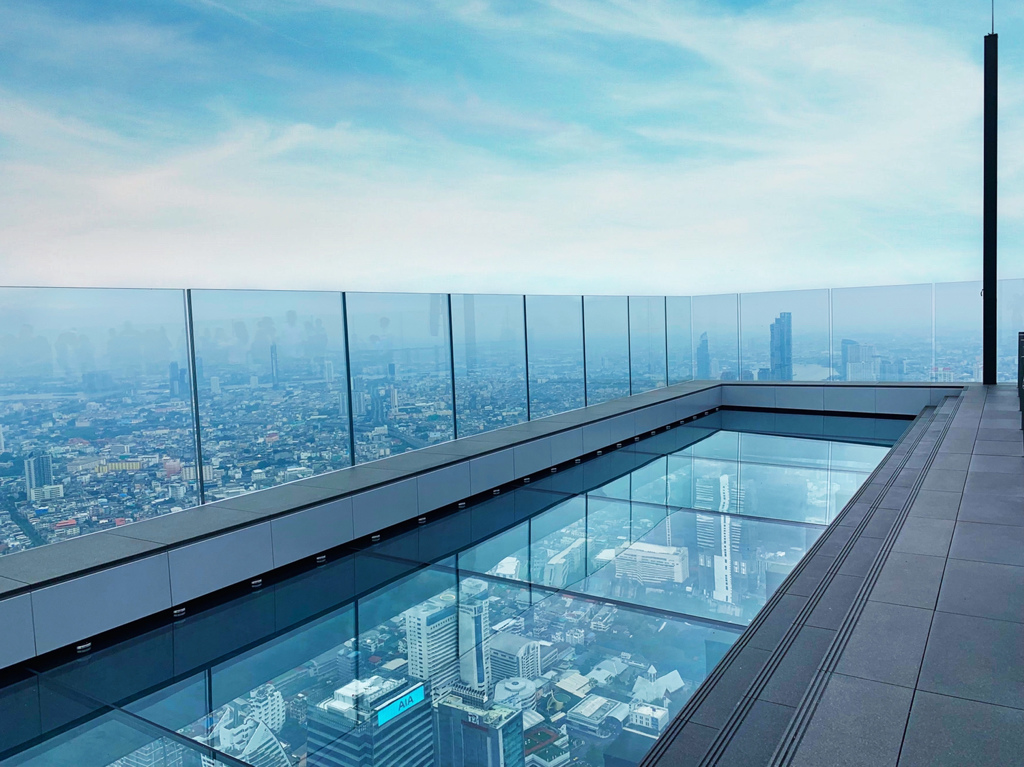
399	706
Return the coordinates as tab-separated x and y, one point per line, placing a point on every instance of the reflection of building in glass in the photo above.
469	736
560	568
782	347
159	753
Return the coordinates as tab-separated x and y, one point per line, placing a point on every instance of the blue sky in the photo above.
512	146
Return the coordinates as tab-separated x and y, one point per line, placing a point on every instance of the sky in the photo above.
511	146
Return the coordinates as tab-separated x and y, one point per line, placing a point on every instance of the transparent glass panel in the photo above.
607	341
647	342
680	340
703	564
1010	323
882	334
489	341
958	331
554	335
95	411
715	338
273	401
558	544
401	372
784	336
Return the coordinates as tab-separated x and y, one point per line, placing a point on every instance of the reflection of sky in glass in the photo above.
401	372
883	333
715	338
273	400
554	336
489	342
678	341
810	350
95	393
647	342
606	320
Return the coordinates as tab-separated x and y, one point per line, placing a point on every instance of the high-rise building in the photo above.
474	636
38	471
328	372
432	639
266	704
782	347
371	722
703	359
513	655
274	371
470	736
653	564
214	385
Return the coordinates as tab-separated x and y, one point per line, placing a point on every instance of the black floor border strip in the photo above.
704	690
788	746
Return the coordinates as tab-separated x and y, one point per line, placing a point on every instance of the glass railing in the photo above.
117	405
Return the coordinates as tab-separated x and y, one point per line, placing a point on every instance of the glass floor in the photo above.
563	622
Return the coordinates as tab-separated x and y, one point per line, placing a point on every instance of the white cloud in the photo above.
846	151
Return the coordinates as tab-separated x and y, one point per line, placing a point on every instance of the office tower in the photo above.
782	347
728	567
859	362
214	384
266	704
175	386
328	372
474	636
653	564
38	471
432	637
513	655
470	736
274	372
371	722
703	359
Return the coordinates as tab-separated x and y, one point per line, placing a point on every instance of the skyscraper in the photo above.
703	359
274	374
782	347
469	736
432	636
371	722
38	471
474	636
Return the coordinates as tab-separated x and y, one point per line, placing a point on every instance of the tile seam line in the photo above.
761	679
915	431
789	744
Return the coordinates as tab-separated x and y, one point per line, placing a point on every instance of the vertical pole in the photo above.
989	284
451	360
629	345
348	380
583	324
190	338
526	353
